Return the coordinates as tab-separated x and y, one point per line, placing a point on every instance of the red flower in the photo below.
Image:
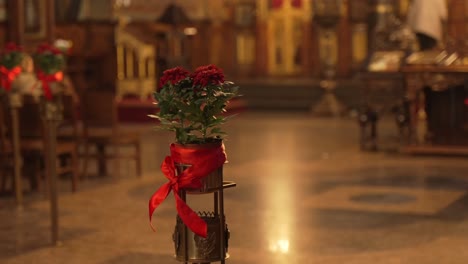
173	76
47	48
12	47
43	48
55	50
206	67
206	75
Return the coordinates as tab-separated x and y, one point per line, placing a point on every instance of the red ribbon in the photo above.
203	161
8	76
46	79
276	4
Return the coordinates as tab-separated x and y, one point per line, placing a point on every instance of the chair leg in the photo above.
101	153
37	174
138	159
3	176
75	174
84	173
46	175
117	160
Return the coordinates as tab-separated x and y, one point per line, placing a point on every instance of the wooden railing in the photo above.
136	65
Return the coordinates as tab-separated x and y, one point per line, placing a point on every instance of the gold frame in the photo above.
38	24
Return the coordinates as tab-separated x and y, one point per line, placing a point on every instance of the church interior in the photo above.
344	134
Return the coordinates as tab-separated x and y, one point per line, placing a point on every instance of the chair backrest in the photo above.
71	116
3	126
99	109
30	119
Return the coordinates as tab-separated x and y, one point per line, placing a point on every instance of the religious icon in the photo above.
32	22
3	9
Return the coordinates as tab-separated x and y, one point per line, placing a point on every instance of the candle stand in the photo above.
51	112
15	102
191	248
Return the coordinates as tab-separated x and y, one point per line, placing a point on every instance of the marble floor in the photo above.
305	194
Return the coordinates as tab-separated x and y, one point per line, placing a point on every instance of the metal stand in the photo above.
327	15
52	114
367	119
191	248
15	103
328	105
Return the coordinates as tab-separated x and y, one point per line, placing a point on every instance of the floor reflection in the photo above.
305	194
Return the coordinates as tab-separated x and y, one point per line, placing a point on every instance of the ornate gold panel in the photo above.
285	35
135	65
245	43
403	7
328	47
359	43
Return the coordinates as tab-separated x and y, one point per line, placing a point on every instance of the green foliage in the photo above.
50	63
194	112
49	59
12	59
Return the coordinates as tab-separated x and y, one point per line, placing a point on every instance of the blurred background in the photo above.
354	113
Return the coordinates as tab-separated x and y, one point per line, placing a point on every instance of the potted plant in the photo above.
192	106
10	65
50	63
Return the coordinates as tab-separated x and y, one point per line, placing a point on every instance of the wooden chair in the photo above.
6	149
6	153
101	130
33	145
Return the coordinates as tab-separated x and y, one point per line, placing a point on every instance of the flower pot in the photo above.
212	181
197	249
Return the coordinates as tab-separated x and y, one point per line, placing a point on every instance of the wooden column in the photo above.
15	9
217	49
358	16
201	45
344	43
457	19
261	49
227	53
315	50
308	50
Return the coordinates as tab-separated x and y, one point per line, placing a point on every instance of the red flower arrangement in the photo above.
192	104
208	75
10	64
173	76
50	62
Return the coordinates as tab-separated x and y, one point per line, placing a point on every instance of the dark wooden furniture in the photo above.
30	22
382	90
33	146
381	93
33	143
439	108
6	152
101	130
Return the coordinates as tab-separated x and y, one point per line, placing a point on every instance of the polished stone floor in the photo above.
305	194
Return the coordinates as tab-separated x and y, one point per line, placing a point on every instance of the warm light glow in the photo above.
63	43
280	228
123	3
190	31
280	246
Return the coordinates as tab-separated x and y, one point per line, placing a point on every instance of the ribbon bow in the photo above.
8	76
46	79
203	161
